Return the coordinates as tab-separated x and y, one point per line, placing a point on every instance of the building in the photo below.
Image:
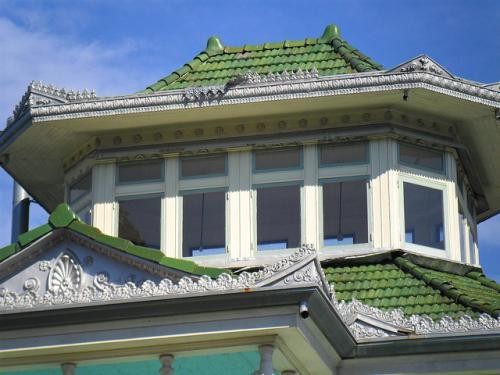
288	207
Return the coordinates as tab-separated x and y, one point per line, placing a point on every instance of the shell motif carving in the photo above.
65	275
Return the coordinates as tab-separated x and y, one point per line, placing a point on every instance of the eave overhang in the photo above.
51	132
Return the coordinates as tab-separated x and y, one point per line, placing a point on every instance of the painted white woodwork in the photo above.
266	359
166	361
385	202
310	217
172	238
103	180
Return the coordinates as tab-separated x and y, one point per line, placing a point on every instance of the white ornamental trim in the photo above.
269	91
101	290
354	314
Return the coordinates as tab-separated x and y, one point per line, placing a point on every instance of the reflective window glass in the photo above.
472	249
286	158
203	228
140	221
424	217
421	157
278	217
345	215
343	153
462	231
80	188
203	166
85	215
143	171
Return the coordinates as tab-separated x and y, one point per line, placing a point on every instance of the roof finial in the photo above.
331	31
214	45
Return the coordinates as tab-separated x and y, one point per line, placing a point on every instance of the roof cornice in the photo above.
295	86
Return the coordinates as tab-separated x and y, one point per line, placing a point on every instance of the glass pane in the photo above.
343	153
345	213
278	217
472	250
140	172
461	226
85	215
140	221
209	165
424	215
203	229
421	157
277	159
81	187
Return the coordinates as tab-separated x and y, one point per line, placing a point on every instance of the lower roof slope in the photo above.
399	282
64	218
218	64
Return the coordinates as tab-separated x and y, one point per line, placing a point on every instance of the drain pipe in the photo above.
20	211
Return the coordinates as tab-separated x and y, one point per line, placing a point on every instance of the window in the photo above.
345	213
421	157
80	188
424	216
472	248
335	154
196	166
144	171
278	217
85	215
140	221
203	228
268	160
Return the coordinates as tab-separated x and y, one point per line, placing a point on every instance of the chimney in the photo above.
20	211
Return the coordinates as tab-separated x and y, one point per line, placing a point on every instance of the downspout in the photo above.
20	211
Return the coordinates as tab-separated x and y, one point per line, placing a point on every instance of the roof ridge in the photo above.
63	217
446	287
483	279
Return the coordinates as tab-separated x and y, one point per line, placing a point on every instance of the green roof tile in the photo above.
399	283
33	235
330	55
62	216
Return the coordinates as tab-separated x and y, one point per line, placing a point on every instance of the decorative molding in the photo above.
65	275
39	94
300	268
366	322
64	283
422	63
270	91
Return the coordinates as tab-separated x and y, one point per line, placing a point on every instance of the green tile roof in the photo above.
217	64
64	218
400	283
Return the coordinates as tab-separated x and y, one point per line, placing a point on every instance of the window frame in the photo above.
139	182
300	167
85	196
340	248
180	196
140	195
204	176
273	178
349	163
415	168
440	185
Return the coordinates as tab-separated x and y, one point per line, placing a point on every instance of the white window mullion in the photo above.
171	207
452	233
104	213
310	207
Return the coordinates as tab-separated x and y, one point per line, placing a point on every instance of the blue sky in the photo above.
119	47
